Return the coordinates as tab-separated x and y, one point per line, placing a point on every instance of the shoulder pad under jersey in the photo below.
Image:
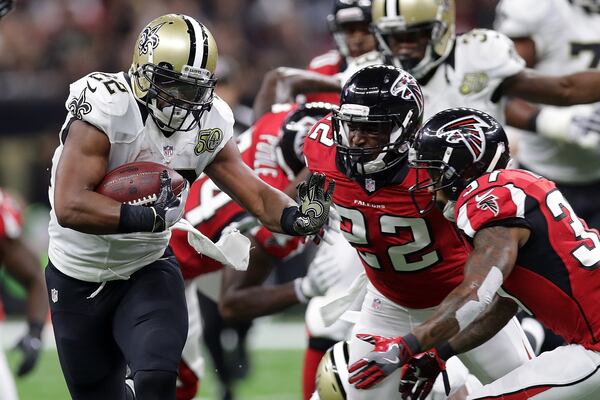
488	52
522	18
105	101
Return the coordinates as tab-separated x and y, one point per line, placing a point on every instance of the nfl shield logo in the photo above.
370	185
54	295
376	305
168	151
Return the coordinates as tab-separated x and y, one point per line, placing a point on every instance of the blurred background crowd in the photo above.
46	44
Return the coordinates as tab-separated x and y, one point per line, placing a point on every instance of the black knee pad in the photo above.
155	385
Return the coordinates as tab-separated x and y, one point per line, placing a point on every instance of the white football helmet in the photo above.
172	72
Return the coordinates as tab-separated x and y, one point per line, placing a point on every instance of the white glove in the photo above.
323	273
579	125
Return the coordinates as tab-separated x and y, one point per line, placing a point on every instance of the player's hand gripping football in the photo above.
314	203
389	354
419	375
168	208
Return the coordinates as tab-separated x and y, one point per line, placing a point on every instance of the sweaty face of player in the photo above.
358	38
409	46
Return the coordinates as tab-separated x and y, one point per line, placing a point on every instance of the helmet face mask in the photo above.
381	110
173	71
415	35
452	149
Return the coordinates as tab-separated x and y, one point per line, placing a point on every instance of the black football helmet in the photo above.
290	149
344	12
455	147
390	102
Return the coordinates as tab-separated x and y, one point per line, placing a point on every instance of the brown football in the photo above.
138	183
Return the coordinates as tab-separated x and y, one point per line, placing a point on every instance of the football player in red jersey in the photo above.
412	261
24	265
349	25
212	211
528	250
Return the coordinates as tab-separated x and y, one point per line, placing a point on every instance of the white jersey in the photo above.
106	101
567	40
480	61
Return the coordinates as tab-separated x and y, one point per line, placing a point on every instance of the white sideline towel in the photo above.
232	249
338	305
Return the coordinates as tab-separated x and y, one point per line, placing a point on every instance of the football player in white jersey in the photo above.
117	295
557	37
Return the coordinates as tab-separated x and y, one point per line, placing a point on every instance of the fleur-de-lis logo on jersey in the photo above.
488	201
79	106
469	130
149	38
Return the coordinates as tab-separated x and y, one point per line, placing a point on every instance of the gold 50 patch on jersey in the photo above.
208	140
473	83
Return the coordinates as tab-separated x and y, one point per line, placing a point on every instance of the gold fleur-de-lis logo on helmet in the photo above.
79	106
149	38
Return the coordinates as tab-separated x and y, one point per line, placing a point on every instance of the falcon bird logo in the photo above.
469	130
488	201
407	88
149	38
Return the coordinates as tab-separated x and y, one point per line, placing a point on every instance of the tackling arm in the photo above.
242	295
282	85
491	261
235	178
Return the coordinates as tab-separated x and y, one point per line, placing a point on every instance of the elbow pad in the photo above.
485	294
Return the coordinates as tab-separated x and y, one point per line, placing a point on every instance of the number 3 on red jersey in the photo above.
388	224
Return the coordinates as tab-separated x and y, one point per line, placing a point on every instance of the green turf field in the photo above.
275	375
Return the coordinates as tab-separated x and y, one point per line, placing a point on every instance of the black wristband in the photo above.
35	329
532	121
412	343
288	216
136	219
445	351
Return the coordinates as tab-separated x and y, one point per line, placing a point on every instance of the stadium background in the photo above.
46	44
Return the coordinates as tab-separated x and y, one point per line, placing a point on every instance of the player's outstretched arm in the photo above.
491	261
82	166
22	264
283	84
565	90
275	210
242	295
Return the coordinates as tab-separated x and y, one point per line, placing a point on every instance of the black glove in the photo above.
30	345
164	213
168	208
312	211
419	375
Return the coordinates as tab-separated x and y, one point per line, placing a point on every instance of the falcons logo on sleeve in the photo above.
488	201
474	139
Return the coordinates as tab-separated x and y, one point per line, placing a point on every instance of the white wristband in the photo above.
555	122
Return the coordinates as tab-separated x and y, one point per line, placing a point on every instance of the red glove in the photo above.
418	376
388	355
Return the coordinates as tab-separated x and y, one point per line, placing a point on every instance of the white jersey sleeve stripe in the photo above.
518	197
463	222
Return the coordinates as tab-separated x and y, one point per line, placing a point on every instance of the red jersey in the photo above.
556	276
330	63
210	210
11	216
414	260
